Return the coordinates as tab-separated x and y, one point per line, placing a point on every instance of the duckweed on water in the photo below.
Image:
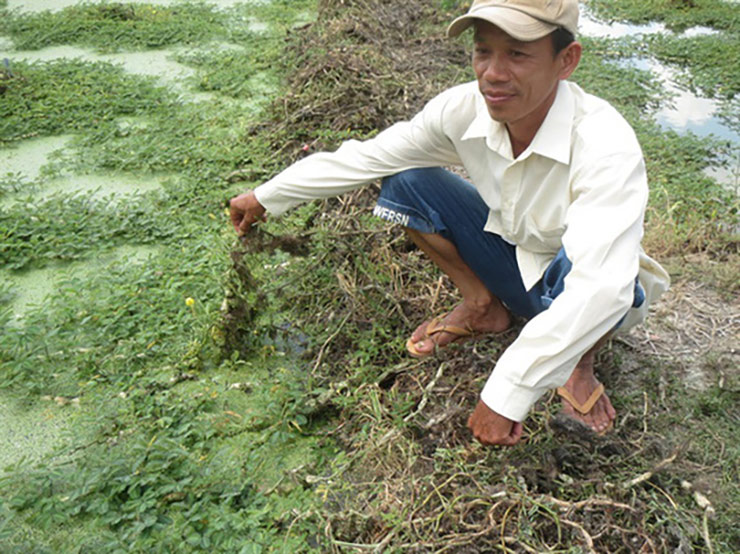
69	95
114	27
677	15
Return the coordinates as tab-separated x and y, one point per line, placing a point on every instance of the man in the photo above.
549	227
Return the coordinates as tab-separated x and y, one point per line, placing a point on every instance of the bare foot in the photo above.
581	387
491	317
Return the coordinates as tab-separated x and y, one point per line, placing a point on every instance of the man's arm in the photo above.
420	142
602	240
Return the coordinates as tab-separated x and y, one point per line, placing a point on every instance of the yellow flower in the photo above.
190	302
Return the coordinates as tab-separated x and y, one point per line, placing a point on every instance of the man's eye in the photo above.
517	54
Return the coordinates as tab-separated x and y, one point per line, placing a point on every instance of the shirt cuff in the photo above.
269	196
508	399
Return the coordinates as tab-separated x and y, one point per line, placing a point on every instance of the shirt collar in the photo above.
552	139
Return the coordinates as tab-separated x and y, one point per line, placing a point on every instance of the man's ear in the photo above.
569	58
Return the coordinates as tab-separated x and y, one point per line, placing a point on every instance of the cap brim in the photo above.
513	22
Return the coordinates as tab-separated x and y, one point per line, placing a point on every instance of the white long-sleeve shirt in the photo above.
580	184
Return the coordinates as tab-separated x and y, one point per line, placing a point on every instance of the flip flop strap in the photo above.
435	327
588	404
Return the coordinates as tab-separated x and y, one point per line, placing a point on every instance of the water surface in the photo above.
27	158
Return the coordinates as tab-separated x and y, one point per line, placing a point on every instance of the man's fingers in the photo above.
517	431
236	219
246	225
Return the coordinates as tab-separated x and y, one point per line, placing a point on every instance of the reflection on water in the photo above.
592	28
589	26
685	111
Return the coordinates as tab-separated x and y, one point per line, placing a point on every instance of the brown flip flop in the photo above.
435	327
587	405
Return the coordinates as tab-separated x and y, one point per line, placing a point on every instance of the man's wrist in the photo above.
508	399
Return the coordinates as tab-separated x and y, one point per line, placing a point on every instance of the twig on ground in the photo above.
326	343
649	474
426	393
573	506
704	503
586	536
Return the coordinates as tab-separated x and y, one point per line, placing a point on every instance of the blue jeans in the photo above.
433	200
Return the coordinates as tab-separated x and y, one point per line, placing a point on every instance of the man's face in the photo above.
518	80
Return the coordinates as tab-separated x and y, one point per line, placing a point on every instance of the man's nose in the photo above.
496	69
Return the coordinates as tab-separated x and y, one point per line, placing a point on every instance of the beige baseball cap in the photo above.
525	20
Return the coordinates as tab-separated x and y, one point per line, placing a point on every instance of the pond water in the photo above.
117	187
160	64
685	111
152	63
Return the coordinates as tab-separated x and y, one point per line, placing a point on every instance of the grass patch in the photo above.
95	224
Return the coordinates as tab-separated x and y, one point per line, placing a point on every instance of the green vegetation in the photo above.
678	15
116	26
254	396
70	95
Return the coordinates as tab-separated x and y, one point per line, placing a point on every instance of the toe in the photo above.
424	346
598	419
419	334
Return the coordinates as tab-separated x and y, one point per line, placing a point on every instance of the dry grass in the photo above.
697	330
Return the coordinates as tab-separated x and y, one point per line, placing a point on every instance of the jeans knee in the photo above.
405	181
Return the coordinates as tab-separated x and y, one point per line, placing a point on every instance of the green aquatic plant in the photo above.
64	96
113	27
678	15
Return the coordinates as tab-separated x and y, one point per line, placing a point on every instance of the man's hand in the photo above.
245	210
491	428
